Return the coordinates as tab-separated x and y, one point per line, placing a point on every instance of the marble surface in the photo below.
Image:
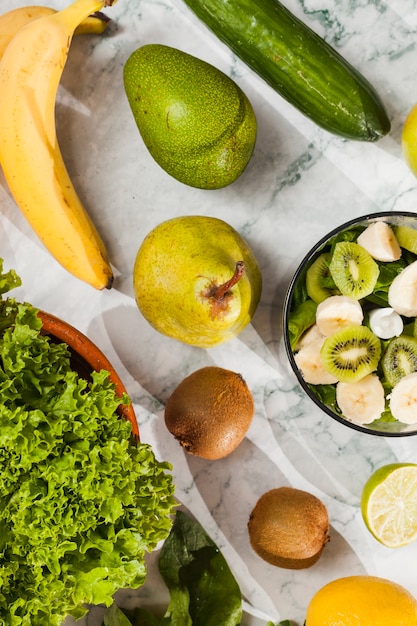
300	183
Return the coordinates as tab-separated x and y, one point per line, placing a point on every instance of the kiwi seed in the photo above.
400	358
353	270
319	282
351	353
210	411
289	528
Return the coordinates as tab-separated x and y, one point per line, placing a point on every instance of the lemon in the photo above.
389	504
362	601
409	139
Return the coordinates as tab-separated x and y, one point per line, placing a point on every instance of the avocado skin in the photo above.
196	122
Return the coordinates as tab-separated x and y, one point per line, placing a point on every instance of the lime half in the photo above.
389	504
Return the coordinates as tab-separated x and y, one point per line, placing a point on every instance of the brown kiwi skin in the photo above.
210	412
289	528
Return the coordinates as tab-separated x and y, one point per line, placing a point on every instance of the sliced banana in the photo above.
337	312
380	241
310	364
386	323
402	293
361	402
310	335
403	399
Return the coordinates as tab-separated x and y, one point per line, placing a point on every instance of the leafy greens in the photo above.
80	502
202	588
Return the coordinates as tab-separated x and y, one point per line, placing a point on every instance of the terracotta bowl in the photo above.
87	357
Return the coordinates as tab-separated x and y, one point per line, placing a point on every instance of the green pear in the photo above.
197	280
195	121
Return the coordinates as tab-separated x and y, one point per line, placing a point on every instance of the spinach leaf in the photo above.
116	617
203	590
300	320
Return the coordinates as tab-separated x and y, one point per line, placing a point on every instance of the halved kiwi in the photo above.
407	238
351	353
319	282
400	358
353	270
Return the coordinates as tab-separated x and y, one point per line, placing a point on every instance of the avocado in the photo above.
196	122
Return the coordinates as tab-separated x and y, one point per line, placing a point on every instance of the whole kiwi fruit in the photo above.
210	411
289	528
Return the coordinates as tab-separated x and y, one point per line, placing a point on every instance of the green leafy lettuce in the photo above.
80	502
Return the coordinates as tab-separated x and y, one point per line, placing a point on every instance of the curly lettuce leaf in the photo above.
8	280
80	502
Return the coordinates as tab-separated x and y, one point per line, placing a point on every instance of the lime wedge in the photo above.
389	504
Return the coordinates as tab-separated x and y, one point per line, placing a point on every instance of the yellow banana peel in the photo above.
14	20
30	72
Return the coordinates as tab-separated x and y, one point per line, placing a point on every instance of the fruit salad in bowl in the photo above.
350	324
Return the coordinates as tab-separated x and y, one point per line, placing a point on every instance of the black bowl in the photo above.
379	427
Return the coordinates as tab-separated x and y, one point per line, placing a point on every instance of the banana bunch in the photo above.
34	46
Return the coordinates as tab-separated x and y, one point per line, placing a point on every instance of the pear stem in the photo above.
220	291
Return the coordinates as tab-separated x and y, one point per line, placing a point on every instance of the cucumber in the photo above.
301	66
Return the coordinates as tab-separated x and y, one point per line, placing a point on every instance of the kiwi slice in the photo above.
319	282
407	238
400	358
351	353
353	270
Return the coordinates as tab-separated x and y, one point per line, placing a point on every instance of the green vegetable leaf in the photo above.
300	320
203	590
80	503
116	617
9	280
142	617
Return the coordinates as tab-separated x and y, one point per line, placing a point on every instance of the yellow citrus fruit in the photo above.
389	504
409	139
362	601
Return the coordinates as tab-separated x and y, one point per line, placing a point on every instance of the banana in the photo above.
385	323
380	241
310	335
30	72
309	362
402	293
361	402
14	20
403	399
94	24
337	312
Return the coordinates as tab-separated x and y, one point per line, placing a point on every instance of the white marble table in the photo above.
300	184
